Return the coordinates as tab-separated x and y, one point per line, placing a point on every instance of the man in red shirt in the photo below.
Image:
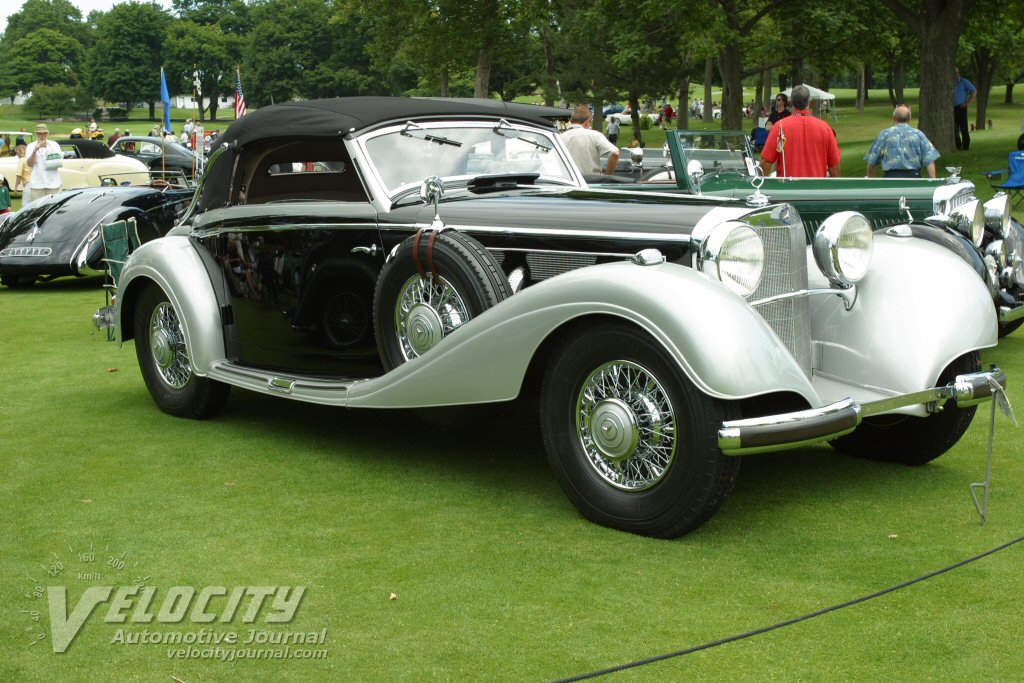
802	145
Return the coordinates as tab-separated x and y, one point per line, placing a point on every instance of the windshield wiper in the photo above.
429	137
505	130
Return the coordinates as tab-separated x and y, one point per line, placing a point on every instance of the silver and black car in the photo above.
59	235
402	253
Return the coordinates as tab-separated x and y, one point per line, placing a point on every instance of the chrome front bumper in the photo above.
805	427
1009	314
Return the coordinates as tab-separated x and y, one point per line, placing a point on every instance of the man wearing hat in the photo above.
45	159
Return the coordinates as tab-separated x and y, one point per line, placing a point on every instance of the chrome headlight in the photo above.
997	214
734	254
997	250
842	248
969	220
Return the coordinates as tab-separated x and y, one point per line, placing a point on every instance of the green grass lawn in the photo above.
497	577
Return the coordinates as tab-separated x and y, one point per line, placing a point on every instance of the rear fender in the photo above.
716	338
180	269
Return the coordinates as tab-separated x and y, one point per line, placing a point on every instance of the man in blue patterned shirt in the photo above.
901	150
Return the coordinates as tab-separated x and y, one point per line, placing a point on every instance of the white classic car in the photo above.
87	163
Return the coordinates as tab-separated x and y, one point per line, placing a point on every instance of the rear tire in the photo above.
165	364
631	440
910	440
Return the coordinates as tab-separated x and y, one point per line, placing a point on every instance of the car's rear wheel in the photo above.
413	311
910	440
631	440
164	361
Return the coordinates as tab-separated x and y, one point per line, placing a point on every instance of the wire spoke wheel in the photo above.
427	310
626	426
167	344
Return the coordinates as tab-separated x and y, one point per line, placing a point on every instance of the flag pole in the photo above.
195	115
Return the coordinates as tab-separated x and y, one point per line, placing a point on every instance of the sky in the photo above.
84	6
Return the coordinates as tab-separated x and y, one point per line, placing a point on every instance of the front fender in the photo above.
717	339
919	307
176	265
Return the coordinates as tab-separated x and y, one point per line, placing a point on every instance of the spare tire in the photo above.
434	283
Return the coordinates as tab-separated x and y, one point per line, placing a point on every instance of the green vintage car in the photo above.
945	210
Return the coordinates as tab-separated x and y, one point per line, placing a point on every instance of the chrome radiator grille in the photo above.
785	270
545	265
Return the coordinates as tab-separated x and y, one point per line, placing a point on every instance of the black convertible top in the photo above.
351	115
346	116
87	149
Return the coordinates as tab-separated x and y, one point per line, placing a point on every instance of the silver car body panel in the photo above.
864	352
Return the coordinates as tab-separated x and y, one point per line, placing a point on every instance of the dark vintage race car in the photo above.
944	211
402	253
60	234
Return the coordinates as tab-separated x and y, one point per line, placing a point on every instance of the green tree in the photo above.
125	75
938	25
47	57
188	47
983	46
52	100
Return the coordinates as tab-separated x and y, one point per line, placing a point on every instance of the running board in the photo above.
333	392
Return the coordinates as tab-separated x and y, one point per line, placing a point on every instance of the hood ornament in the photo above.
757	199
954	174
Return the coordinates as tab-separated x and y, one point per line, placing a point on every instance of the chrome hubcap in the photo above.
625	424
167	346
427	309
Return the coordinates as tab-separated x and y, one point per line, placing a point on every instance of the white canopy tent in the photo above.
826	101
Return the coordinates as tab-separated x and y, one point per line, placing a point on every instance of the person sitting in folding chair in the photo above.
1014	184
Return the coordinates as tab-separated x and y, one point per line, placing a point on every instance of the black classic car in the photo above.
401	253
59	235
160	156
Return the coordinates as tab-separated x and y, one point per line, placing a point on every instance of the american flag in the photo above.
239	97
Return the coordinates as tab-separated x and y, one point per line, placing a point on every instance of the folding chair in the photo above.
1014	185
120	239
759	137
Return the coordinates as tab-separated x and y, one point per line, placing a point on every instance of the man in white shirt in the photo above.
44	158
587	146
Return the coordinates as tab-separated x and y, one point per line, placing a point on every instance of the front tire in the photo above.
910	440
164	361
630	439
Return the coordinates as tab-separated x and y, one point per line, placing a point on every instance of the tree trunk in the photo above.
152	111
482	85
683	118
1009	93
939	41
550	83
709	72
768	101
890	80
634	115
862	88
984	62
730	64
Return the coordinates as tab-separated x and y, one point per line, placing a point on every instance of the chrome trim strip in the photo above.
625	255
1007	314
849	296
201	233
804	427
556	232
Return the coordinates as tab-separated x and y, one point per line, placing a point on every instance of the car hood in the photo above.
64	217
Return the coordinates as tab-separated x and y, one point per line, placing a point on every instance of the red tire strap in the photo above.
430	251
416	252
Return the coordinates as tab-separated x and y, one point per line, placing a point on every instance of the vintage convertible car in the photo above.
88	163
400	253
945	211
60	234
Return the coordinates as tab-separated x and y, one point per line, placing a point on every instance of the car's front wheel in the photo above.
164	361
631	440
17	281
910	440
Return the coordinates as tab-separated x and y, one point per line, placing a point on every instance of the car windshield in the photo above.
716	151
406	155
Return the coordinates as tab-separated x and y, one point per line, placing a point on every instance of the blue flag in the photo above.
166	99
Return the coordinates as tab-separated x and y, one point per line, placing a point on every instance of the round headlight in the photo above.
734	254
997	214
997	250
842	247
969	220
